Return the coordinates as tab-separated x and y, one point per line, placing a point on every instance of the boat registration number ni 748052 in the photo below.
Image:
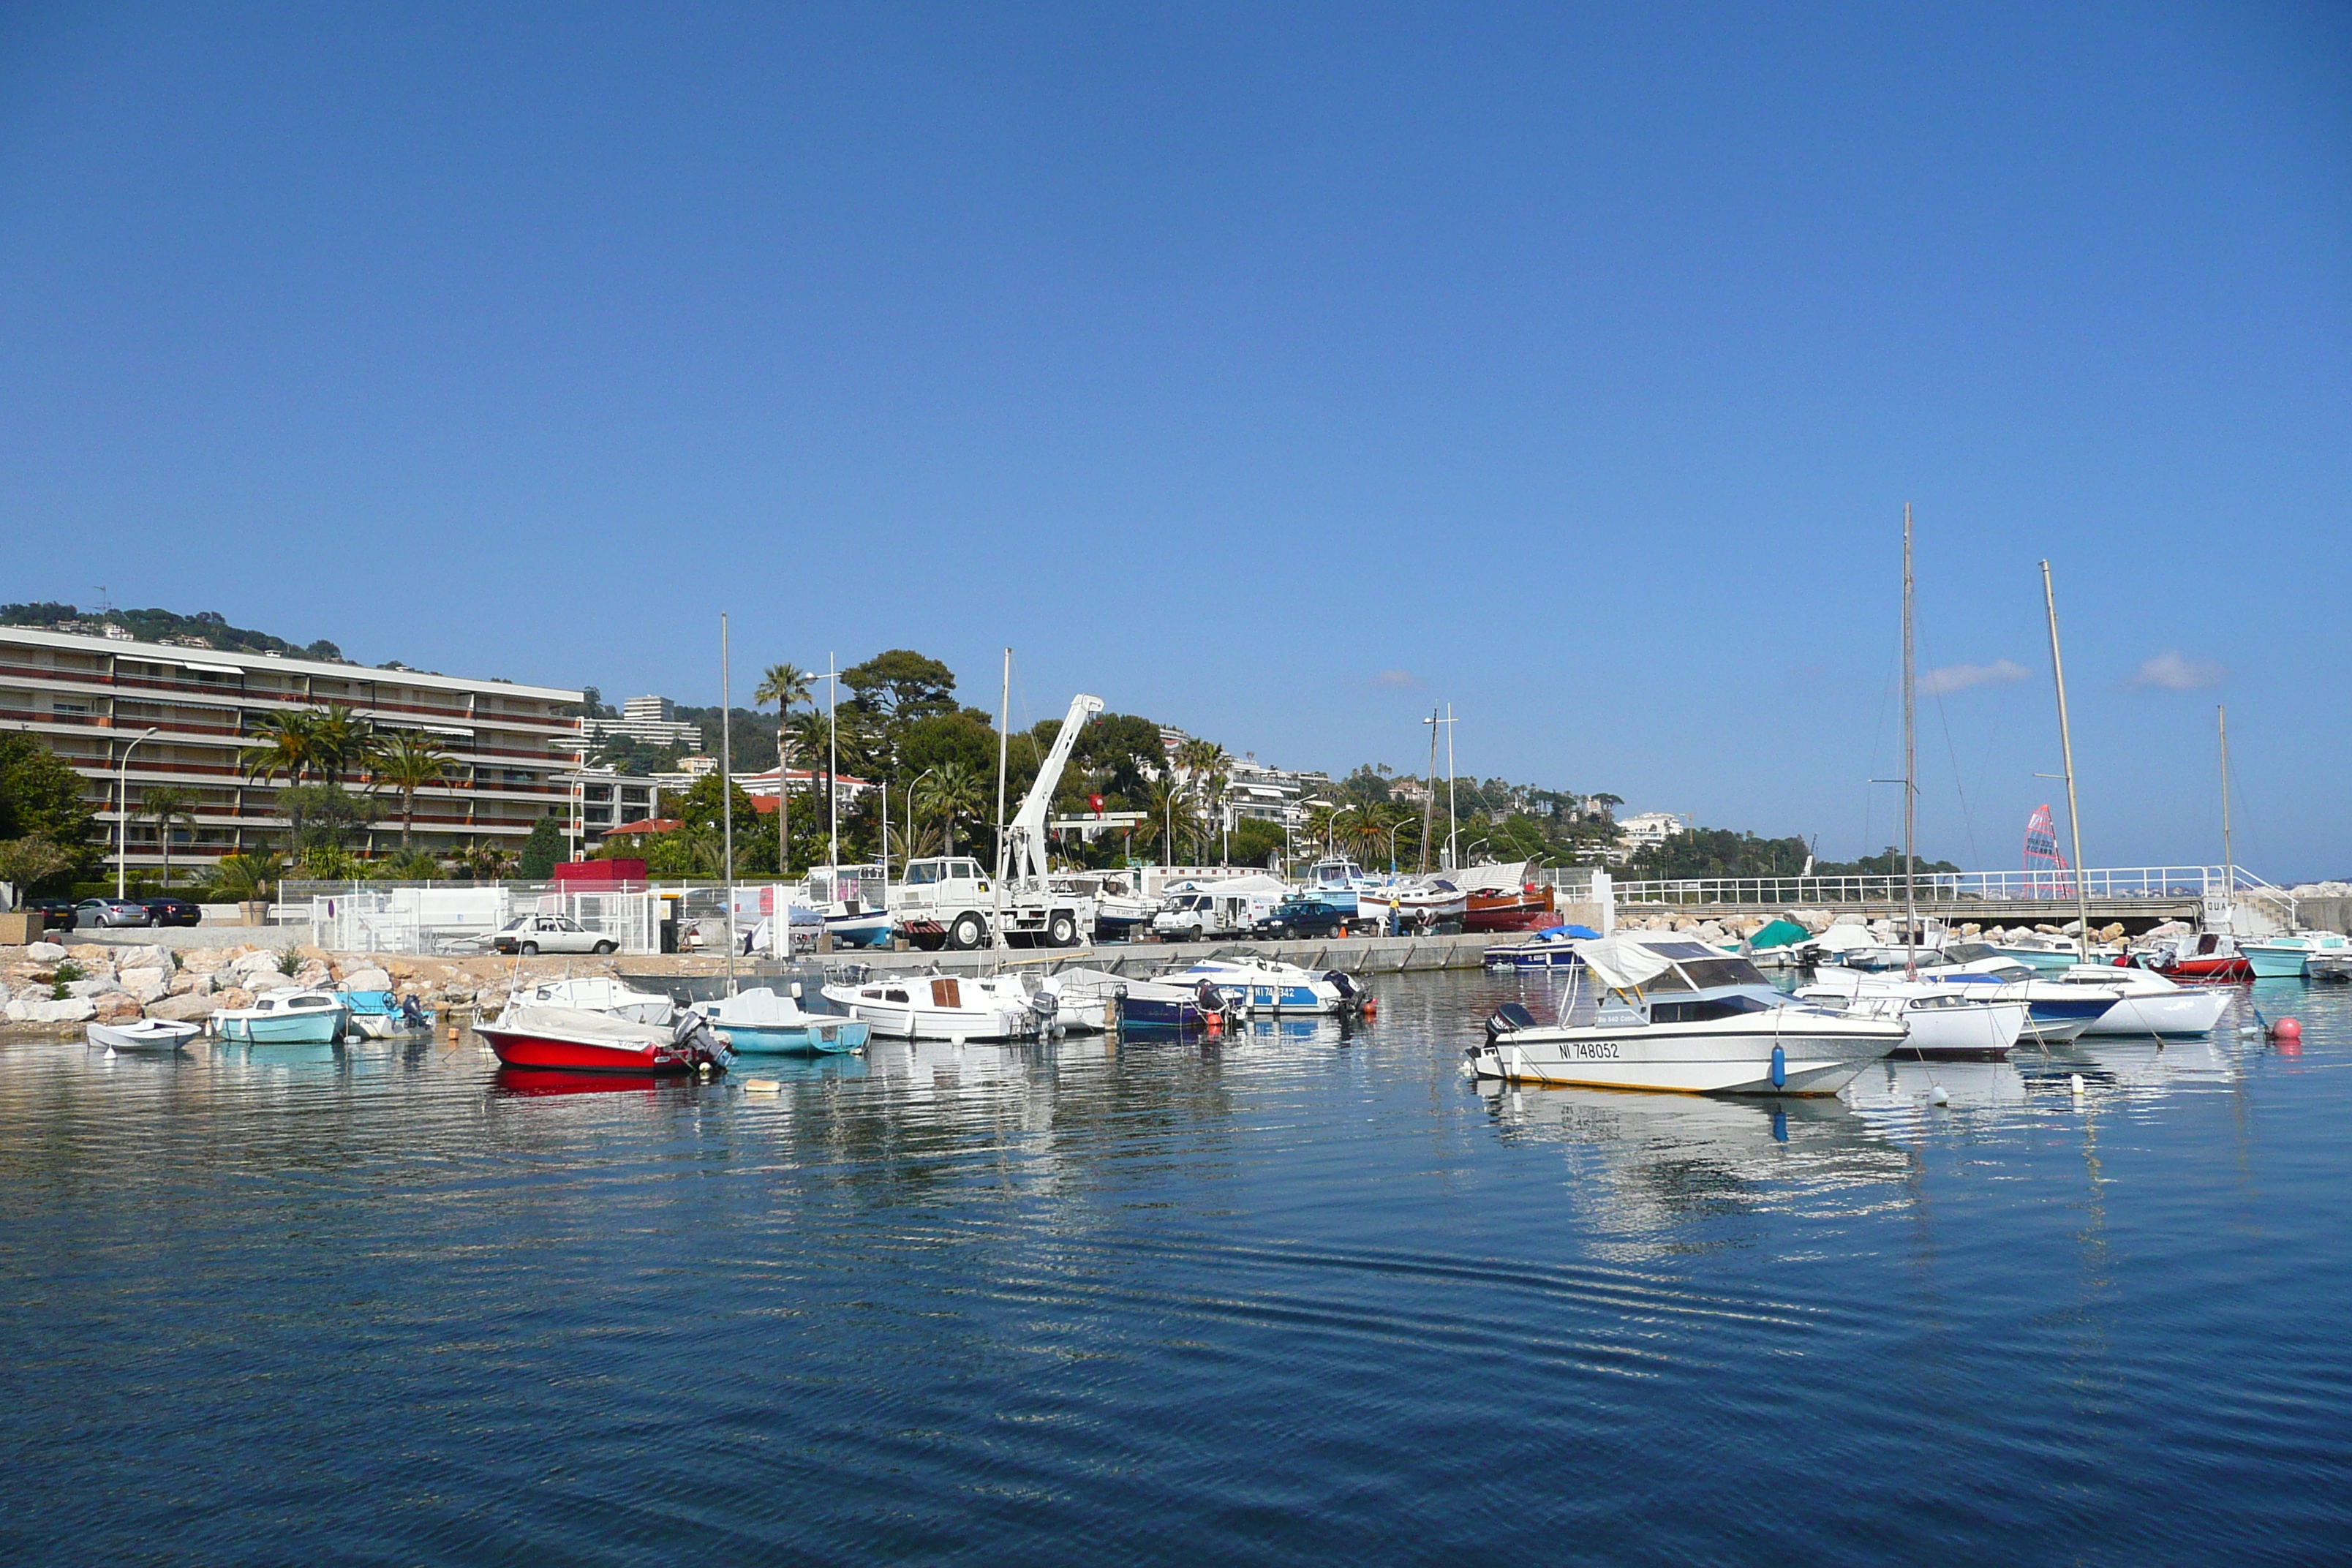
1594	1050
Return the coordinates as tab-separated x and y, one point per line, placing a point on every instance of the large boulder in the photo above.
186	1008
148	956
46	953
204	960
367	978
259	963
98	984
192	982
147	984
235	996
314	973
73	1010
118	1007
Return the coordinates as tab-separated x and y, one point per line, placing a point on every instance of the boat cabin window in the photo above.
874	993
895	996
264	1006
1706	972
1712	1007
1968	952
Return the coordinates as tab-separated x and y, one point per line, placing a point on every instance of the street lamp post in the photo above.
122	817
1393	833
1331	831
909	855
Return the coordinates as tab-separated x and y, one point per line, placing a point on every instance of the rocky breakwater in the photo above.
52	985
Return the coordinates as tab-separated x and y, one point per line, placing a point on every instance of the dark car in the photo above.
99	913
56	914
1304	915
169	912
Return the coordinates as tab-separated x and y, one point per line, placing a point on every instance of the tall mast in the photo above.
2229	856
727	801
833	756
1003	737
1910	771
1429	802
1453	855
2066	747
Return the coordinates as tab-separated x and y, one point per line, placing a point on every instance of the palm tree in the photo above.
250	874
1205	767
786	686
410	761
168	805
956	790
343	742
808	735
1172	818
284	745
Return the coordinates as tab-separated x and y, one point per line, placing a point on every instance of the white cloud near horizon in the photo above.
2173	673
1960	676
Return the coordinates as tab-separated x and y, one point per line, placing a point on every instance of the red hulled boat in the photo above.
574	1039
2210	959
1526	907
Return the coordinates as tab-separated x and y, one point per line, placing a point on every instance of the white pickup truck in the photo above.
948	901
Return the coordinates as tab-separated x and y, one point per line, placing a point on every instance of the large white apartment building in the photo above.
514	756
653	719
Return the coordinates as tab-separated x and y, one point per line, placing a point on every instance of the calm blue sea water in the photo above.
1294	1297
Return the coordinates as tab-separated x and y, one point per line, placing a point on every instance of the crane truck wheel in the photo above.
1064	932
968	934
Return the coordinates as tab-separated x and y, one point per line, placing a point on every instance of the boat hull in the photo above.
285	1029
2275	962
156	1035
814	1037
1532	955
2221	969
525	1048
1818	1057
871	930
2173	1012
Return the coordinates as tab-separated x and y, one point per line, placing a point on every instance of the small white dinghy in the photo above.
146	1035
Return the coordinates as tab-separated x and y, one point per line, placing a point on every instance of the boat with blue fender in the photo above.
1549	949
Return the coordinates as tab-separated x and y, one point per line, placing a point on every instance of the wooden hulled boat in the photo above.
1526	907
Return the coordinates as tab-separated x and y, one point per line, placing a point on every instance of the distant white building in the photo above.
1645	828
653	719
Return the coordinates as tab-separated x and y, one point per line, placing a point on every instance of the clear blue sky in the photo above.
1275	373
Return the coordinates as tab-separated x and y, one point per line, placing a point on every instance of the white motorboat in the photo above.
1086	1001
1416	901
763	1021
1253	984
946	1007
287	1016
144	1035
1941	1022
2054	1013
2145	1002
855	903
600	993
1680	1015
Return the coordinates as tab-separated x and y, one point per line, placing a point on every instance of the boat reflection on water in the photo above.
2030	1078
532	1083
1666	1160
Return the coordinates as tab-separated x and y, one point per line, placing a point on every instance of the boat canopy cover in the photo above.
1621	962
1779	933
1583	933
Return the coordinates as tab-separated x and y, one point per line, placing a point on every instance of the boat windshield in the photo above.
1968	952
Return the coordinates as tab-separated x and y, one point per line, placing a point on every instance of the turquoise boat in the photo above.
2282	957
289	1015
760	1023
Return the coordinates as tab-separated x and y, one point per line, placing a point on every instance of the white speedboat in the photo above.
600	993
1680	1015
1941	1022
1417	902
855	903
2285	957
945	1006
1253	984
761	1021
1086	1001
2145	1002
1554	948
2054	1013
144	1035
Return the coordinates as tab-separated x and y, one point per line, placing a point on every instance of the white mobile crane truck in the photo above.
950	902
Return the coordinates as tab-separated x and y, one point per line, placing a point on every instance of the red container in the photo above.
580	875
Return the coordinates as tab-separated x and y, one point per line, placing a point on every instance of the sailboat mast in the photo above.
1910	770
2228	856
727	801
1003	735
833	756
1453	855
2066	748
1429	802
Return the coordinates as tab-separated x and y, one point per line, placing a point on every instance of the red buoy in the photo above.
1371	1008
2288	1034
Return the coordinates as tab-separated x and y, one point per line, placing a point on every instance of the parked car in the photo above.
1304	915
56	914
95	913
528	934
170	911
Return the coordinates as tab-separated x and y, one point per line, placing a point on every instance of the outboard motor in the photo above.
1210	1000
703	1043
1344	984
1508	1019
1047	1007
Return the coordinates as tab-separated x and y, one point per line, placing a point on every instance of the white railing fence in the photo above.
2169	882
436	919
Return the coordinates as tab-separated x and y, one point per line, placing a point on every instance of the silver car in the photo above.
96	913
532	934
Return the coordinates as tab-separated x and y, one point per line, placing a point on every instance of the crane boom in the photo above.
1026	838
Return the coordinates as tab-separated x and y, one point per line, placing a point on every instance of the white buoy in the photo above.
762	1086
2075	1080
1939	1095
